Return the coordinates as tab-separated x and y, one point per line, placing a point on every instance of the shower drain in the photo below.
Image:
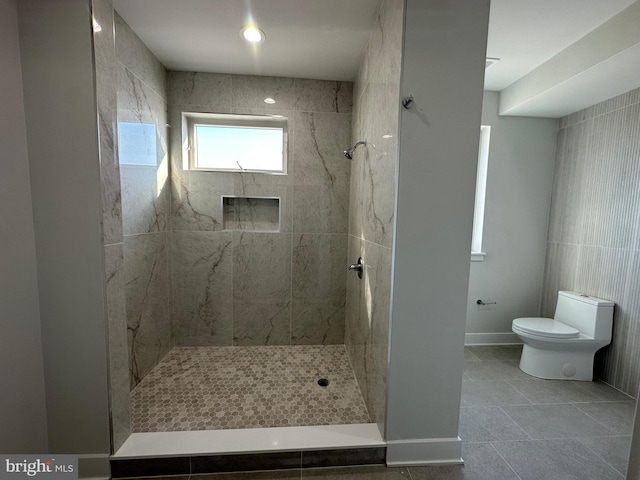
323	382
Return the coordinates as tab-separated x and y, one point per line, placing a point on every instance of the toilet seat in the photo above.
545	327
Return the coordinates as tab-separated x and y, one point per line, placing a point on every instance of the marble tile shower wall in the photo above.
105	67
141	81
372	205
594	231
246	287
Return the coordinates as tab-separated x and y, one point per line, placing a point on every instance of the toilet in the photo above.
563	347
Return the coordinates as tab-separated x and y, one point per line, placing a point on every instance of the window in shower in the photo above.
236	143
477	255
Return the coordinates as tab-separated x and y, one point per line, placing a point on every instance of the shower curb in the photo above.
208	464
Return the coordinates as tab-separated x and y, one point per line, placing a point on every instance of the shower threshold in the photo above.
250	440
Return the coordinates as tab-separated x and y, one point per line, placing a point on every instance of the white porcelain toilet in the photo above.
563	347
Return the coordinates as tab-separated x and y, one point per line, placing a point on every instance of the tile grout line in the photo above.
598	455
505	460
592	418
519	426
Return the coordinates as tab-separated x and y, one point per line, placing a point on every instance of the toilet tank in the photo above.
592	316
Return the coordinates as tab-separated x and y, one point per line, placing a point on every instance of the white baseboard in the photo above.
94	466
503	338
424	451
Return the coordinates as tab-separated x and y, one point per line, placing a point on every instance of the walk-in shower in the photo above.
240	309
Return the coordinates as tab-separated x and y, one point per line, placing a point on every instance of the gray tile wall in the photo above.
106	80
242	287
372	204
594	230
141	79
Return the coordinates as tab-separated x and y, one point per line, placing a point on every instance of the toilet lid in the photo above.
545	327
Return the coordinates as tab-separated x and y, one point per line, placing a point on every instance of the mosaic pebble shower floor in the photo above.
212	388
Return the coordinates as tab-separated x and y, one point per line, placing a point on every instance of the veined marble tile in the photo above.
356	333
353	293
145	199
261	321
319	266
118	348
106	82
134	54
197	204
372	52
145	189
319	288
356	178
380	169
250	91
253	214
202	288
110	178
320	140
317	209
371	206
146	261
317	322
374	311
245	188
323	96
261	267
392	19
202	89
137	102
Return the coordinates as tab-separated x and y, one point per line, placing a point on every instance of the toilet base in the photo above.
557	365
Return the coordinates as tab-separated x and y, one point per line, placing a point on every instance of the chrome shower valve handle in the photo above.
357	267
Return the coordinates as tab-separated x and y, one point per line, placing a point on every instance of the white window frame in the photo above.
191	119
477	255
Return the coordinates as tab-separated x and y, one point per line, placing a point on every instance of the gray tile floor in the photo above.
515	427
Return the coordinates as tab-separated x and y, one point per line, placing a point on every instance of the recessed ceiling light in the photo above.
252	34
269	100
387	136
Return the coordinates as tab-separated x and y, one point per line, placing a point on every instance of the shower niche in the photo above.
254	214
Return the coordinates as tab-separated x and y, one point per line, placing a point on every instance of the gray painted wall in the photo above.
594	228
56	45
22	403
519	184
443	67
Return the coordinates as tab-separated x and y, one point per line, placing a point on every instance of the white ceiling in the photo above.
325	39
321	39
526	33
